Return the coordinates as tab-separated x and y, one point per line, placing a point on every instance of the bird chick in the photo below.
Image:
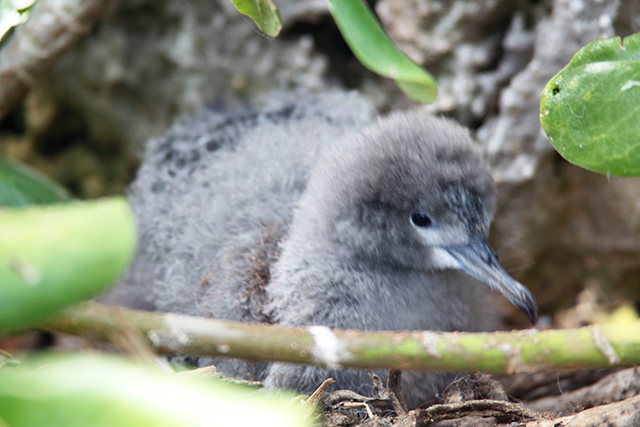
390	234
387	232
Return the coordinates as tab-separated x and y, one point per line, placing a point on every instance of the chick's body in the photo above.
303	215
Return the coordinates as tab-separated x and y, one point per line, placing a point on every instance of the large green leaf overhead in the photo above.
591	109
376	51
53	256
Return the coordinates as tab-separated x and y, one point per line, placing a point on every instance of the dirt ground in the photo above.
480	400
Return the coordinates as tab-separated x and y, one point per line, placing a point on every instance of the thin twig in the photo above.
498	352
619	414
394	386
615	387
357	405
316	396
340	397
502	411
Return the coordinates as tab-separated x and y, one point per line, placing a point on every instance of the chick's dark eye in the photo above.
420	219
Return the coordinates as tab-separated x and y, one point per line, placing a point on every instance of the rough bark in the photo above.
52	29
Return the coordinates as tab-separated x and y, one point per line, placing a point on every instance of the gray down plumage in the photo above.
308	214
216	193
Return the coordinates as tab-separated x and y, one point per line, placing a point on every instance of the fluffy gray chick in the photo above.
387	233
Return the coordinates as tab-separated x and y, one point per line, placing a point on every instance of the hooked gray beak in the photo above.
479	261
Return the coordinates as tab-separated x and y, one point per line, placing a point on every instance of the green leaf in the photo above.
591	109
21	185
376	51
263	12
56	255
92	391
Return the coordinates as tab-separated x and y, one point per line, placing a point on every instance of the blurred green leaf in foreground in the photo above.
93	391
53	256
591	109
263	12
21	185
373	47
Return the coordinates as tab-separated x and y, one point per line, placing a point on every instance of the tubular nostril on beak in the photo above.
488	255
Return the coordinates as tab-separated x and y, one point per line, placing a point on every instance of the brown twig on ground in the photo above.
619	414
498	409
394	387
52	28
316	396
613	388
338	397
529	387
364	405
474	386
378	385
